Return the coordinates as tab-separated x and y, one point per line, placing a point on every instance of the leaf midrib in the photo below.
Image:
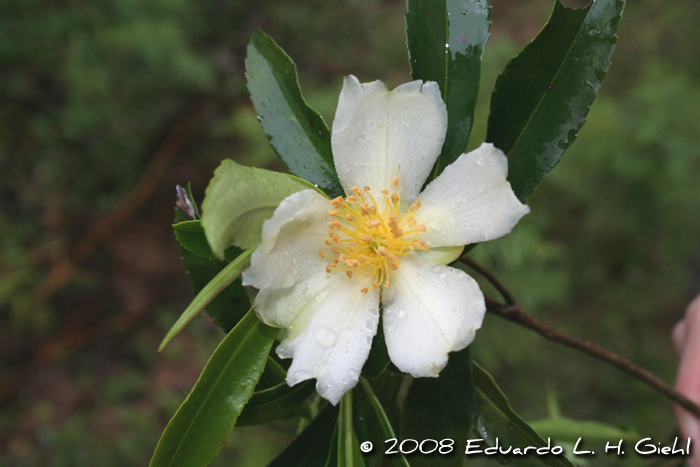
551	82
233	356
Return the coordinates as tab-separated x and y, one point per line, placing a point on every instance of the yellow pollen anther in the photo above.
372	239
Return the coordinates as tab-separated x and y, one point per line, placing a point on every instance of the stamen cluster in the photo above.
364	241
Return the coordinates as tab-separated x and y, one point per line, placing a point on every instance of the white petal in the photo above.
471	201
290	242
429	310
442	255
292	307
376	131
337	340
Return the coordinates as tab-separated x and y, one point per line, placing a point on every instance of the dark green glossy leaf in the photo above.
378	359
439	408
190	234
203	422
312	446
296	131
210	291
464	26
349	454
274	403
239	199
542	97
498	422
398	459
232	303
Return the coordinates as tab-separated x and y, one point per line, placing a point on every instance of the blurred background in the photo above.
106	105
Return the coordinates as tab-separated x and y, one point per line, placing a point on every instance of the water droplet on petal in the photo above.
401	314
325	336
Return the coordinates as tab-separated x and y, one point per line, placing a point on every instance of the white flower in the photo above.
322	269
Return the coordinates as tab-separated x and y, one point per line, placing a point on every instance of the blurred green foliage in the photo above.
89	92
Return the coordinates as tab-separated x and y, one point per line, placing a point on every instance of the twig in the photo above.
505	293
514	313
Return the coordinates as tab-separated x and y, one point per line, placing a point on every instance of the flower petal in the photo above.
429	310
471	201
335	344
290	242
292	307
375	131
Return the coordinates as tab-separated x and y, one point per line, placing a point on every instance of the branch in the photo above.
514	313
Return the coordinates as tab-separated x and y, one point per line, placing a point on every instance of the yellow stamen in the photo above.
372	240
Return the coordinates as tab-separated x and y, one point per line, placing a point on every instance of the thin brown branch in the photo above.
505	293
514	313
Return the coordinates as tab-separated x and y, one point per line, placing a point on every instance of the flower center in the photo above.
367	242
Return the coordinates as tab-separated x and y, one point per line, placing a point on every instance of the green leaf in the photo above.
464	26
190	234
274	403
238	200
232	303
543	95
222	280
439	408
378	358
311	447
498	422
296	131
398	459
349	454
568	429
203	422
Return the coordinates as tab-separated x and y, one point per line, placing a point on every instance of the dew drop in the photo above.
479	161
401	314
325	336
